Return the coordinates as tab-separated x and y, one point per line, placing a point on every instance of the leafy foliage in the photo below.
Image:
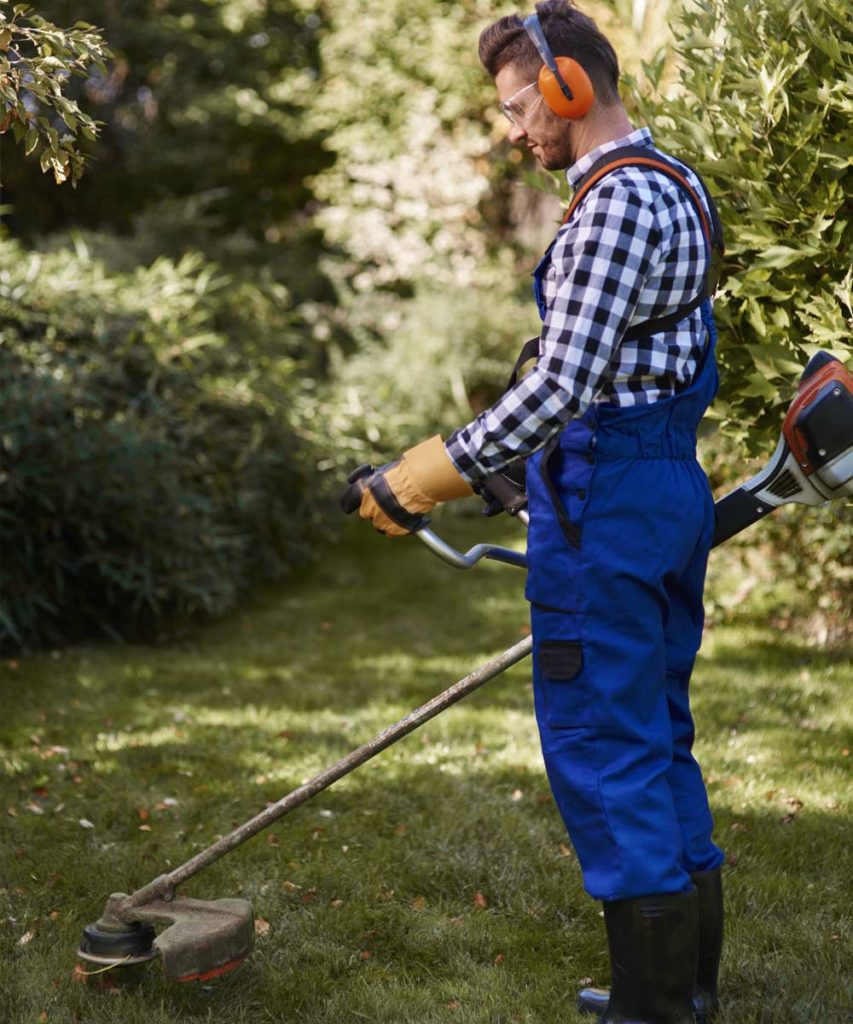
147	466
763	109
205	127
37	60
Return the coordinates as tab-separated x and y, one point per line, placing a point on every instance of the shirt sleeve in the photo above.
600	263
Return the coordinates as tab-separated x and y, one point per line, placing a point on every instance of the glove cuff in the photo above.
432	472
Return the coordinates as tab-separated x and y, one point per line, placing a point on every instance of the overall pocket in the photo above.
559	677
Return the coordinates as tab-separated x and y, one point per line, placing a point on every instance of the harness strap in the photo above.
712	229
571	531
622	158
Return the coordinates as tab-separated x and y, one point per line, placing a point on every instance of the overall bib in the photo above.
621	522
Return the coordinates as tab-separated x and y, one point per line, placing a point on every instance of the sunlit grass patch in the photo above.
435	883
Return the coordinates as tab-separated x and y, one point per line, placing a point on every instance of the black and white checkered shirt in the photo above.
633	251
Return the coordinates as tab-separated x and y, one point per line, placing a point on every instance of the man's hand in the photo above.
396	496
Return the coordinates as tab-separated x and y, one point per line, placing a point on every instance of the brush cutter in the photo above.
812	464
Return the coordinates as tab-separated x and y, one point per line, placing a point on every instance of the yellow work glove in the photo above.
423	477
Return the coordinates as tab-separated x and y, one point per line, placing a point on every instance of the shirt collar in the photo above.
640	137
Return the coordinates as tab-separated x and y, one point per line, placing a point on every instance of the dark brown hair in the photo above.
569	32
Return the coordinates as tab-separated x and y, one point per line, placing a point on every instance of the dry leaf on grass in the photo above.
261	926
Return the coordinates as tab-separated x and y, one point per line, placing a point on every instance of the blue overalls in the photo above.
621	521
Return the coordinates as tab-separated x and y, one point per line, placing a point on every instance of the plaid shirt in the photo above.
633	251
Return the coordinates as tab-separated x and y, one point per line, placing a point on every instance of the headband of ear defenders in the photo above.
533	27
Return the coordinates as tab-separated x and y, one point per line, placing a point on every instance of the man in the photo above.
621	516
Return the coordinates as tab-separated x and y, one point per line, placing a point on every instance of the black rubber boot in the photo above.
654	943
709	890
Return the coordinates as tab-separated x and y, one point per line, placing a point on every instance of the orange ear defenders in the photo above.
564	84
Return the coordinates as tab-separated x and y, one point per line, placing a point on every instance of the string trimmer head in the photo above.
202	938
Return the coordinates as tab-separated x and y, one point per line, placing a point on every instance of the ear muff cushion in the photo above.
578	82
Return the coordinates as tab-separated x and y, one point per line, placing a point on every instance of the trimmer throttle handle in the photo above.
502	493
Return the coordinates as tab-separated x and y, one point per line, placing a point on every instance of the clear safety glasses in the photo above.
521	105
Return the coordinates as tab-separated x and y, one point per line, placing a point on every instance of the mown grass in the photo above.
433	885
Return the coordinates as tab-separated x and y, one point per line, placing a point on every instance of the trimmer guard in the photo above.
204	938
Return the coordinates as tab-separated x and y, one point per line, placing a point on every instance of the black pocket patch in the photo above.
560	659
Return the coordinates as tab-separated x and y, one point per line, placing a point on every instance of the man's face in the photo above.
533	124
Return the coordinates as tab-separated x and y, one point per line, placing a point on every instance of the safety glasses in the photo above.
521	105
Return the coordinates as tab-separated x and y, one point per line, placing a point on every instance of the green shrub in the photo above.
148	466
762	109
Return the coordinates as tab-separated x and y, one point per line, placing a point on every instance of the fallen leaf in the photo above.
737	826
845	752
11	812
386	894
40	791
309	896
144	828
261	926
291	886
170	801
732	860
788	818
143	813
517	795
452	1005
543	798
43	1016
480	902
53	915
365	954
336	904
85	823
794	803
272	839
419	902
499	959
401	830
26	937
287	734
33	808
79	975
565	850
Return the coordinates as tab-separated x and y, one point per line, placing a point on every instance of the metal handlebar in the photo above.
467	561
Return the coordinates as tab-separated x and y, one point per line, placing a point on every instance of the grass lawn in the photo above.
434	884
